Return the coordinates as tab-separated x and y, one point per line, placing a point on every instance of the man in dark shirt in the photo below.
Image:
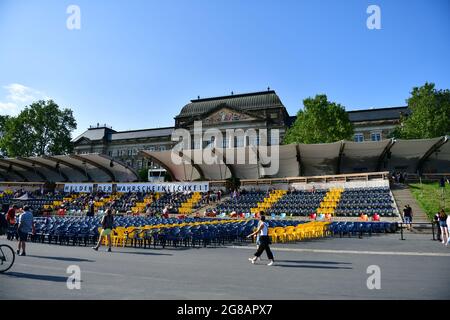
436	221
91	209
407	215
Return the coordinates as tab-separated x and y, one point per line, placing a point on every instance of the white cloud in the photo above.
18	96
8	108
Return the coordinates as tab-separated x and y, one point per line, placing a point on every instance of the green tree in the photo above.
430	114
320	121
232	183
143	174
3	121
40	129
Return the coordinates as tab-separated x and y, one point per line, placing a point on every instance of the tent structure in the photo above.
250	162
66	168
412	156
25	197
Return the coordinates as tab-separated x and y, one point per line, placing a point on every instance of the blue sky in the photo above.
134	64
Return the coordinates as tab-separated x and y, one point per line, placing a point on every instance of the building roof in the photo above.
246	101
377	114
92	134
146	133
95	134
391	113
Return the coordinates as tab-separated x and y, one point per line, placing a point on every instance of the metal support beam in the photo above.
11	162
112	160
17	173
341	152
69	165
95	164
384	153
430	151
44	165
299	160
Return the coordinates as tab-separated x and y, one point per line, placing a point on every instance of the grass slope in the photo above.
431	198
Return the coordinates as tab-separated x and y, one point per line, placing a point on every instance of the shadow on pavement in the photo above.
144	253
310	266
313	262
62	258
36	276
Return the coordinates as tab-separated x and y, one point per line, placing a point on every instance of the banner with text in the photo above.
163	187
79	187
105	187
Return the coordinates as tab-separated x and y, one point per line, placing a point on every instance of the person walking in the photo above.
407	215
264	240
91	209
25	226
443	226
107	226
436	221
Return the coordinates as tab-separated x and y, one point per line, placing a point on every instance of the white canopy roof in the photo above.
405	155
66	168
304	159
362	157
293	160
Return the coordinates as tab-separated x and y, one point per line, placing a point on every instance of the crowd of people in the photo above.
17	223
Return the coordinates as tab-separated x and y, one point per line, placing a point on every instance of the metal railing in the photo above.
424	225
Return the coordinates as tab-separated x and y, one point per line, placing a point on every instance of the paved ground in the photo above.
336	268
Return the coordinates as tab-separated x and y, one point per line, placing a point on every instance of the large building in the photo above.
251	111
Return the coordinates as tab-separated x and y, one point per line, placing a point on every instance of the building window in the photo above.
130	152
225	143
240	141
375	136
110	153
162	148
274	139
274	115
359	137
197	144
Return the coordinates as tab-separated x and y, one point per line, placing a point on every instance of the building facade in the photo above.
375	124
251	113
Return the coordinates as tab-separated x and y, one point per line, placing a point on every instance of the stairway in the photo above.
269	201
330	201
139	207
403	196
187	207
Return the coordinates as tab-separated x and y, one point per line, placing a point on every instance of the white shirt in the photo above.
264	229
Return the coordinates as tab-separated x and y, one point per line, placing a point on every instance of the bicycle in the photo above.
7	257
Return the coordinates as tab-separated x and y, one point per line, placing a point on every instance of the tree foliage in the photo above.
320	121
430	114
40	129
143	174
